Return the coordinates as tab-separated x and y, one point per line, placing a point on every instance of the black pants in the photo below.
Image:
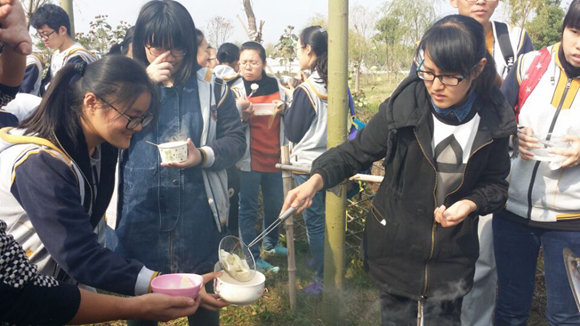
401	311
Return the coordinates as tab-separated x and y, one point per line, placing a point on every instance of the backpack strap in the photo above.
350	103
532	77
503	38
220	91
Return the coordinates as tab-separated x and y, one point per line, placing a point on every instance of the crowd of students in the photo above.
455	228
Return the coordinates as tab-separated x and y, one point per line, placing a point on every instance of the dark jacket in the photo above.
405	251
48	191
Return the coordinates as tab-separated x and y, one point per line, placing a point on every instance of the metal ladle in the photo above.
235	245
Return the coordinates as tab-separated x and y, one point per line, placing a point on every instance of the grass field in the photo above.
360	296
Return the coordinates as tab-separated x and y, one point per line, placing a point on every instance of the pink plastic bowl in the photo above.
170	284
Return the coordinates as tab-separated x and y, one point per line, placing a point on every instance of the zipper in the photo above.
465	168
420	305
537	164
84	177
376	213
434	225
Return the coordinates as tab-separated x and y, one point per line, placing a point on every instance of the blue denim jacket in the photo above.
171	219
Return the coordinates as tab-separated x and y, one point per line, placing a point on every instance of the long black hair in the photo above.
456	44
317	38
228	53
167	24
115	78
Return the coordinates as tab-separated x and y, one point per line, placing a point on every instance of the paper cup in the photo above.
263	108
173	152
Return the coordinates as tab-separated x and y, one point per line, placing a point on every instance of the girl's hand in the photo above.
455	214
210	301
572	154
193	158
280	107
161	307
14	30
247	108
525	142
160	71
303	193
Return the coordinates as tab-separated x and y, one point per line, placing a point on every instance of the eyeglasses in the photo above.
448	80
132	122
155	52
250	63
45	36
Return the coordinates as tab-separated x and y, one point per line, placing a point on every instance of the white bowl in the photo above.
240	293
173	152
263	108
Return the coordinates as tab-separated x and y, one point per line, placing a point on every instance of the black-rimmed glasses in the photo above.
132	122
45	36
155	52
448	80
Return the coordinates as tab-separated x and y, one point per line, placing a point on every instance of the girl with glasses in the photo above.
264	136
443	135
57	176
173	216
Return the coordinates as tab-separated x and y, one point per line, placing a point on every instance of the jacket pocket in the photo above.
380	233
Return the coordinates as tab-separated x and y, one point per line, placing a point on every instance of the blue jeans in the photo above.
273	194
315	226
516	252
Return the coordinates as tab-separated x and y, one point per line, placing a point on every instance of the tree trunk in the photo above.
254	33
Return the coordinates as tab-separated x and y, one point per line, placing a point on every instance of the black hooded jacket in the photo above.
405	251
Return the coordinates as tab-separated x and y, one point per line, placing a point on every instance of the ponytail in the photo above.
115	78
317	38
228	53
59	109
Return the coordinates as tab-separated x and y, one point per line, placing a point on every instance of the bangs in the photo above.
167	24
572	19
450	48
165	33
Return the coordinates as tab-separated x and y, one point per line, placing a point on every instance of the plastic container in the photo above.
173	152
263	108
186	285
547	143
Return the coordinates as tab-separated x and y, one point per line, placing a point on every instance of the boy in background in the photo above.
53	27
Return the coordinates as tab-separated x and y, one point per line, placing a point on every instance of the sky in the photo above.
277	14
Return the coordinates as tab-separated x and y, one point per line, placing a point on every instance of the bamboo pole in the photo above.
334	245
67	5
356	177
289	224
